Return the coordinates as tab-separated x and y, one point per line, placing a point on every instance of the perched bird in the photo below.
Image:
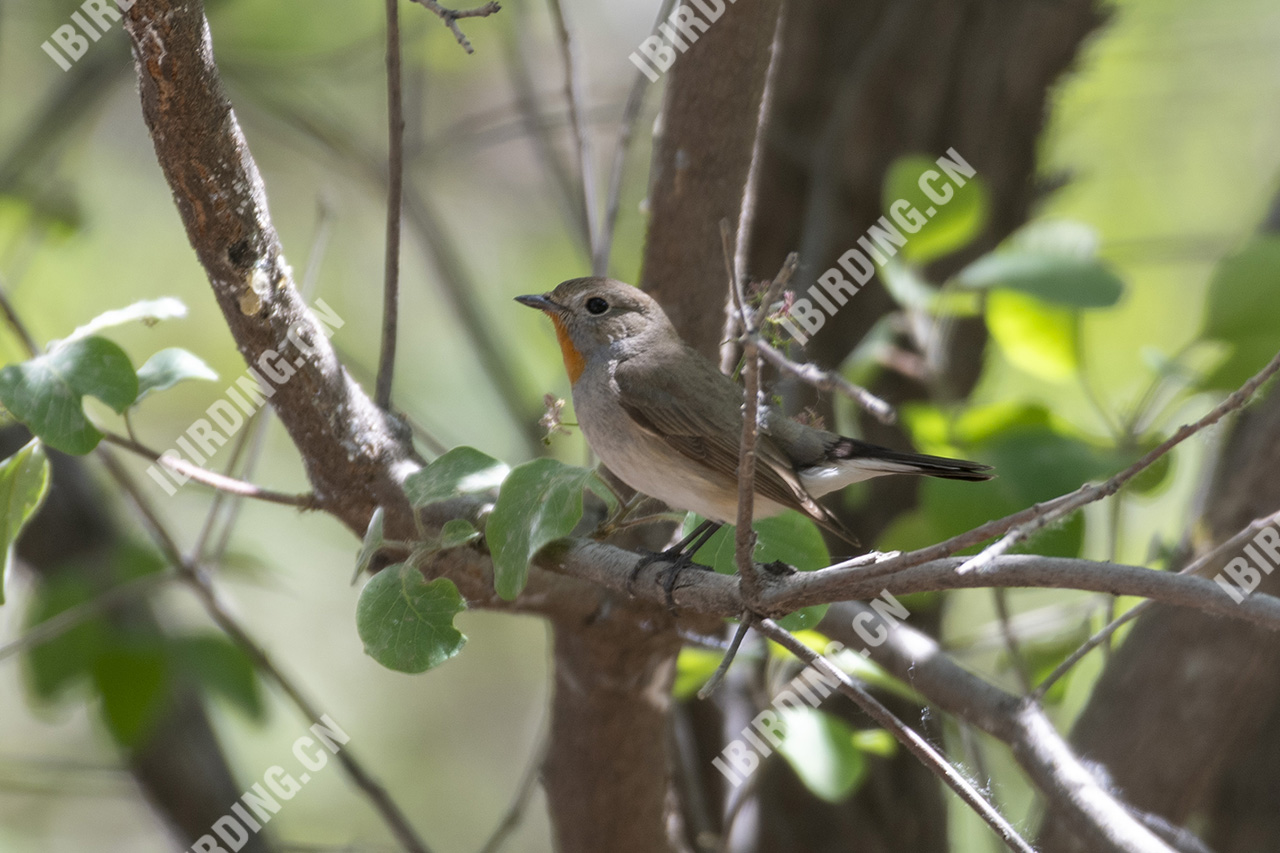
663	418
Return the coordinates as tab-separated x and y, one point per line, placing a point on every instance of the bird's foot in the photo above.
677	560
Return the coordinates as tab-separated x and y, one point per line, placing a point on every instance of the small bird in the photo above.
663	418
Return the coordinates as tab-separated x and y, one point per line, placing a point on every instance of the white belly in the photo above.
648	464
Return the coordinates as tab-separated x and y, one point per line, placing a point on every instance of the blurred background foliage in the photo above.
1166	146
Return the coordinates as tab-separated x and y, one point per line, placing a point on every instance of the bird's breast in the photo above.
647	463
574	363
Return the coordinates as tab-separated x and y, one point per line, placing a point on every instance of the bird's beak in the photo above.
542	303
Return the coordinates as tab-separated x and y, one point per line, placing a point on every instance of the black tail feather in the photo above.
918	463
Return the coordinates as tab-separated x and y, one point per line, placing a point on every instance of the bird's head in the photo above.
600	317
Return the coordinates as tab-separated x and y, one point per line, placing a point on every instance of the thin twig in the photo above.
829	581
575	92
1196	567
744	539
450	18
626	131
319	246
219	496
1017	661
395	190
538	129
1070	788
829	381
215	554
191	574
212	478
1088	494
908	737
734	322
713	682
15	322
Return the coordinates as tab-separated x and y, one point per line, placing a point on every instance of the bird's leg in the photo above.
679	555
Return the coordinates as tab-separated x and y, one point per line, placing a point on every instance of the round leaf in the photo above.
951	225
24	481
47	393
169	367
1036	337
463	470
540	501
147	311
1053	261
406	622
820	748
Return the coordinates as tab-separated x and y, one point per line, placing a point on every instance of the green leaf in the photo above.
463	470
1243	302
540	501
1243	298
56	663
148	312
167	368
875	742
53	666
457	532
950	226
820	748
1035	337
133	680
47	392
1053	261
221	667
24	481
406	622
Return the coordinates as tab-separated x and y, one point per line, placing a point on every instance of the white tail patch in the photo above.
822	479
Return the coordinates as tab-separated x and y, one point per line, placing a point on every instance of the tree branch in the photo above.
450	17
1069	788
710	594
395	185
908	737
1085	495
575	92
213	479
355	462
626	131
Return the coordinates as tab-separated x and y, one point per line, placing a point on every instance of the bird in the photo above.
665	420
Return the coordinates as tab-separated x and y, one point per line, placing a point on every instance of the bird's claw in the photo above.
677	561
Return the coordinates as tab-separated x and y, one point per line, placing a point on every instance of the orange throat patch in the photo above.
574	363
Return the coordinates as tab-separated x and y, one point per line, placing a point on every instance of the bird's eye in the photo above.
596	305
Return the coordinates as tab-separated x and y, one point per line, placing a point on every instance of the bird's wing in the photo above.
701	417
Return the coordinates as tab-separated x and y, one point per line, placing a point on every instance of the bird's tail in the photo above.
882	460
